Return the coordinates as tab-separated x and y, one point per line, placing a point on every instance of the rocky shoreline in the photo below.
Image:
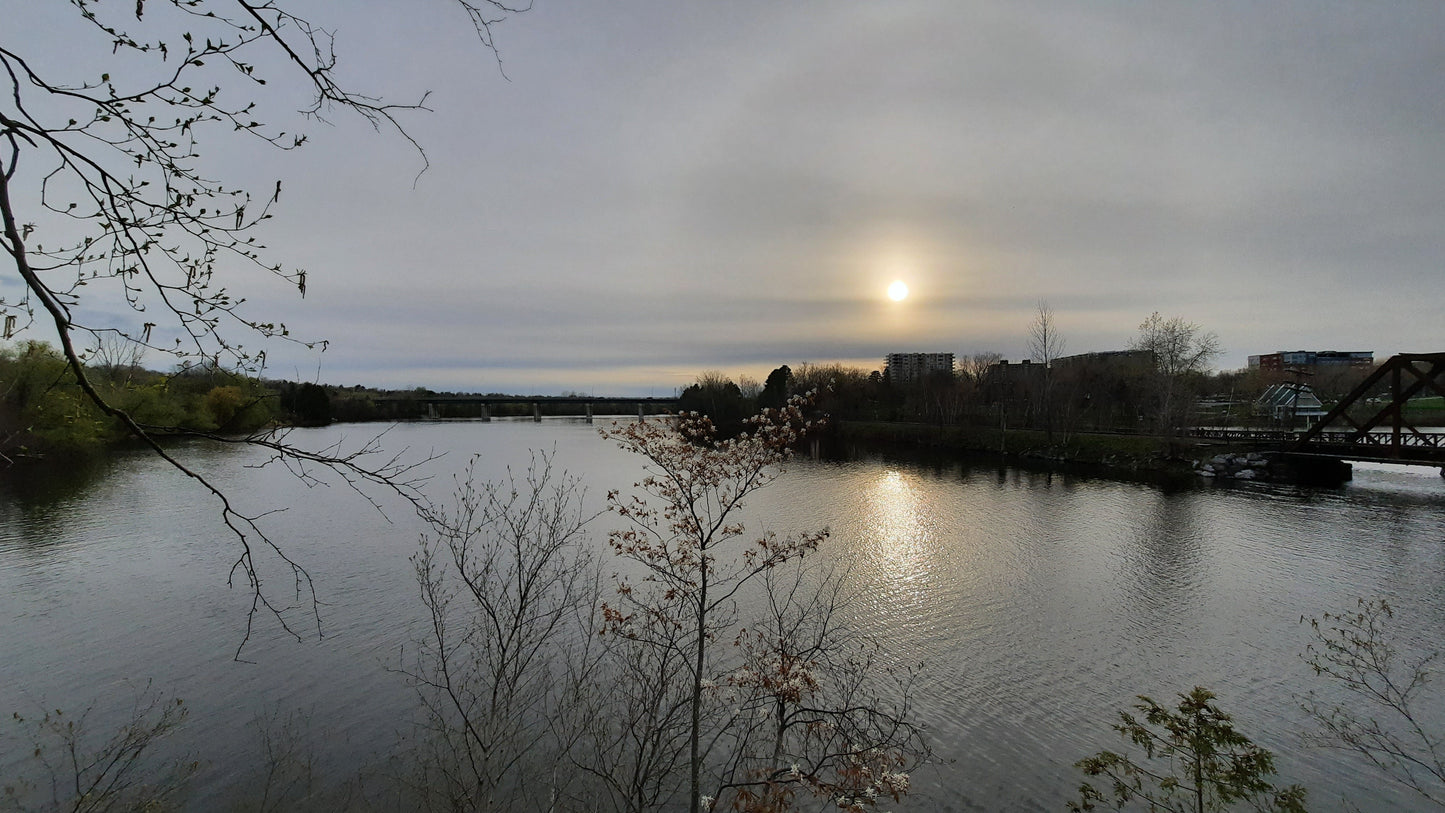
1248	466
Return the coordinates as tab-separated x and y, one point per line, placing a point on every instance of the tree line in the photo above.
45	413
1161	384
1151	387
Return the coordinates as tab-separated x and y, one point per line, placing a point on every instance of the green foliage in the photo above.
43	410
40	406
348	406
307	404
149	403
223	403
1195	761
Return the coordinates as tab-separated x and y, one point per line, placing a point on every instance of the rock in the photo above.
1246	474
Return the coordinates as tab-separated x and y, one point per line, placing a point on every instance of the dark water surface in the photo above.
1038	603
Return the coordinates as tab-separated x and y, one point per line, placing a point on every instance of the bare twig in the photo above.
130	212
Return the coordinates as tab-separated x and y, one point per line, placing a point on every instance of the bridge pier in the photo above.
589	412
639	413
536	412
486	415
1318	471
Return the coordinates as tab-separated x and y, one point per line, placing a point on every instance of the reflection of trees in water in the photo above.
1163	566
35	497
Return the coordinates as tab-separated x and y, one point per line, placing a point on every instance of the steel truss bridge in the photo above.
1368	424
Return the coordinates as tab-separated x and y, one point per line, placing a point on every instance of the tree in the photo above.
696	561
36	408
510	588
309	404
715	395
85	775
1045	346
750	389
940	396
775	388
106	203
975	367
846	393
533	700
637	742
1182	352
686	599
116	360
817	710
1385	724
1204	763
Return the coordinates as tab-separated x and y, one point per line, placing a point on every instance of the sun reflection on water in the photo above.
896	529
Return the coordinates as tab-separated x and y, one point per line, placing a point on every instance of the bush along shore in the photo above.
44	414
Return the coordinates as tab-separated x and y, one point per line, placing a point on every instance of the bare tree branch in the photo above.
104	197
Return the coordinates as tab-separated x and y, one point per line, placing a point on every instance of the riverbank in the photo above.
1113	454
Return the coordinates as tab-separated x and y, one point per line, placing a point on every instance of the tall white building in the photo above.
907	368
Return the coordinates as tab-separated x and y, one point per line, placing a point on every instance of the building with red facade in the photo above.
1312	360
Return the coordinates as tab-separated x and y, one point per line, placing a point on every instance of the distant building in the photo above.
908	368
1311	360
1004	370
1016	381
1288	402
1113	361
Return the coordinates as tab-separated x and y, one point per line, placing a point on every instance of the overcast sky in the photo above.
659	188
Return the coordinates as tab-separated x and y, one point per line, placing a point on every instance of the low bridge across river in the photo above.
479	407
1369	424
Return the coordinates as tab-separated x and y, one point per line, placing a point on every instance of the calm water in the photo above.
1038	603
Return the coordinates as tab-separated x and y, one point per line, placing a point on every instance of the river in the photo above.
1038	603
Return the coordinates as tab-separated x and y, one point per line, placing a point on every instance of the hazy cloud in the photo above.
659	188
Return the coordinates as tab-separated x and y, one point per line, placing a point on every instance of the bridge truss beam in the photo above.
1407	375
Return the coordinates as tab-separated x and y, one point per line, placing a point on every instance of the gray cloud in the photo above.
659	188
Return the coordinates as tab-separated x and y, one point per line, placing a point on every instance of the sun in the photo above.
898	291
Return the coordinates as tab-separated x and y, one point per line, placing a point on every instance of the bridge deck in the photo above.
1410	448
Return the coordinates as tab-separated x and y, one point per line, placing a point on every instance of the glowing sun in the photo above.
898	291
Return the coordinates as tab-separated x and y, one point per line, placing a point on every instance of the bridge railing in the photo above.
1419	440
1411	440
1246	435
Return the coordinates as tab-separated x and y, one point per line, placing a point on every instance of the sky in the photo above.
643	190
